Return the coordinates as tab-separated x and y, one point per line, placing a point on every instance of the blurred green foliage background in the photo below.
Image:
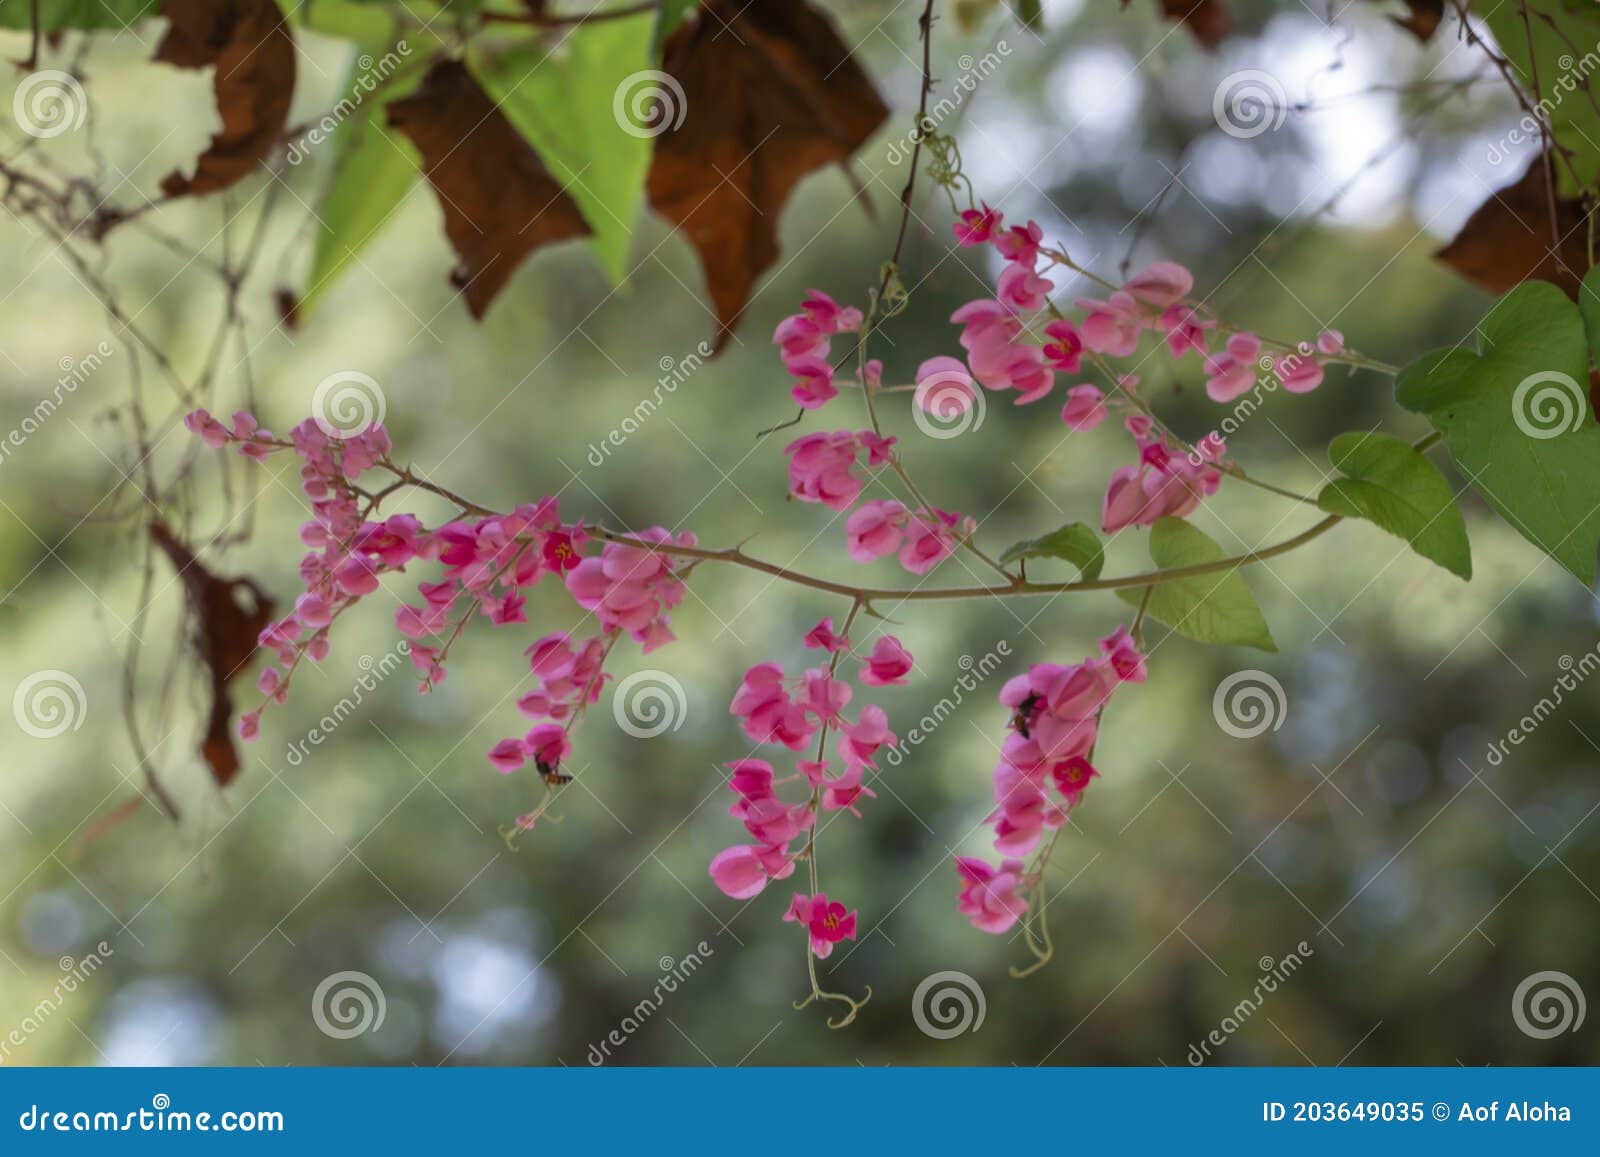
1426	882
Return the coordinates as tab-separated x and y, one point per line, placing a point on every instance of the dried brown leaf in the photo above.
1507	240
770	94
252	49
500	203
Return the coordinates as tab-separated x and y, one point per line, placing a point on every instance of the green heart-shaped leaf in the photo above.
1074	543
1516	418
1210	608
1393	486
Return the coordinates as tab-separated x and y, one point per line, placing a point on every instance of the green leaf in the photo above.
373	171
1394	486
1074	543
568	105
1559	31
88	14
1211	608
1516	418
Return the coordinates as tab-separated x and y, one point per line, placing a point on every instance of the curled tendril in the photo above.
839	998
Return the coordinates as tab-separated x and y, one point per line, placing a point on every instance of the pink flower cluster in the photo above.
1044	770
802	340
1232	370
923	538
486	565
1165	483
822	466
773	709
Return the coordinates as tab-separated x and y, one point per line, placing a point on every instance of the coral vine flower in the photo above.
822	638
1232	371
1085	408
990	897
825	921
976	226
1064	350
888	665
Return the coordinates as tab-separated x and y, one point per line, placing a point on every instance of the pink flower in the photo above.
1072	776
210	431
888	664
1300	373
1064	350
826	921
820	469
508	755
1162	485
976	226
991	898
859	741
250	726
1330	342
1160	285
841	793
766	712
1185	330
742	871
829	315
822	638
1124	657
548	745
1022	289
985	322
813	381
1232	371
875	529
631	588
1020	243
930	538
1111	326
1085	408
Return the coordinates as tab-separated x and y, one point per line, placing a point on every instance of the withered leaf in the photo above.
500	203
252	48
770	94
228	615
1507	239
1208	20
